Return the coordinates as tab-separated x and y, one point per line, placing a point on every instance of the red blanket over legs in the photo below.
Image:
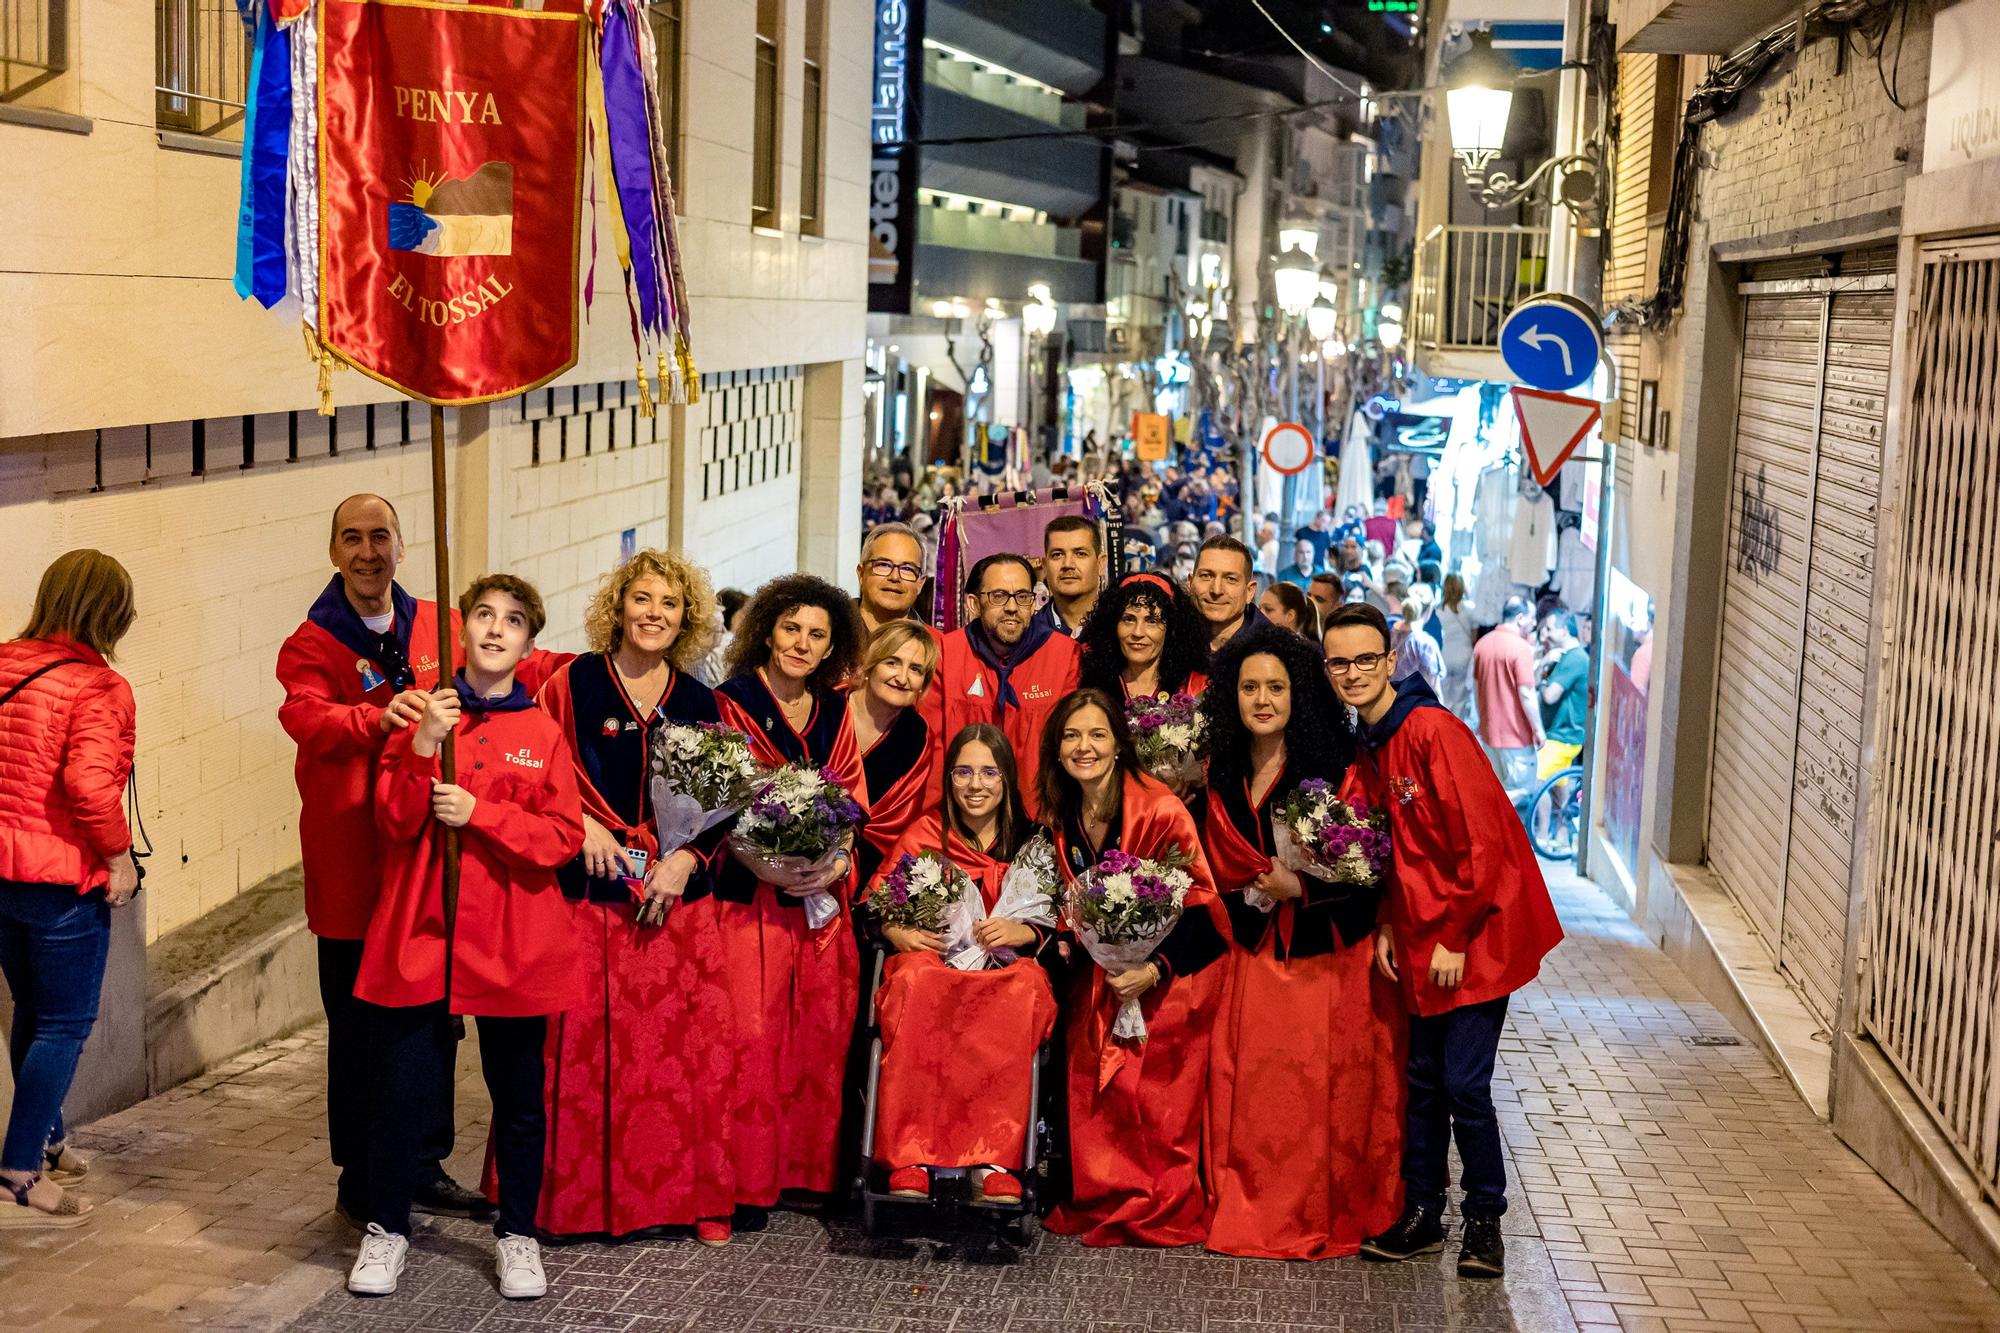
957	1052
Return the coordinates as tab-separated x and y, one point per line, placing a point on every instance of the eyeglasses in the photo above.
889	569
966	773
998	598
1340	666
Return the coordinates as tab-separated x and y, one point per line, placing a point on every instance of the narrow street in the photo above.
1657	1186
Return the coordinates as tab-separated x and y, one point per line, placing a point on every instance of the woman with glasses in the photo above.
793	988
658	1029
958	1045
1136	1108
1145	638
1306	1024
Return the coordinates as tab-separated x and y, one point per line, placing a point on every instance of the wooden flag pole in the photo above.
447	753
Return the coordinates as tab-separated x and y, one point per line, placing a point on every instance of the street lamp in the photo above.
1297	279
1390	334
1299	236
1479	95
1320	318
1329	287
1038	318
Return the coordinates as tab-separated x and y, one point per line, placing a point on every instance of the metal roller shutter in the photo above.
1840	587
1795	606
1763	601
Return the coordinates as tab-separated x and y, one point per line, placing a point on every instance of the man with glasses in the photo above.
1225	590
890	575
1072	566
1005	667
1465	924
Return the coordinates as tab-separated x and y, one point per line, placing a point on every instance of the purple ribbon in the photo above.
629	128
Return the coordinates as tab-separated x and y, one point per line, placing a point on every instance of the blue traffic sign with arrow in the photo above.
1551	341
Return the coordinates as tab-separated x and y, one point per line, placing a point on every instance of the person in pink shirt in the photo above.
1503	676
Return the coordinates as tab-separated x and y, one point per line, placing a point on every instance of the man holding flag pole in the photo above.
411	191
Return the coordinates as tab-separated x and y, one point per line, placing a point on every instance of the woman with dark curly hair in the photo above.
1306	1023
1145	638
793	989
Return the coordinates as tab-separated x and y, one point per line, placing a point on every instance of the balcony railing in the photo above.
968	230
34	44
202	70
1468	278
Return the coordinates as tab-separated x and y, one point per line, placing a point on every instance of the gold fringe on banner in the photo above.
645	392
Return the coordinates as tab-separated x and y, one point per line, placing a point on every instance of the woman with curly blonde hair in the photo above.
648	1064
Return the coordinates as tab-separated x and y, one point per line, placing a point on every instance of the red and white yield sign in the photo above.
1289	448
1552	426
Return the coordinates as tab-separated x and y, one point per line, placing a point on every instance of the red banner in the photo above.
450	178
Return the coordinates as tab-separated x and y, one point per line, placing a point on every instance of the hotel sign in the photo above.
893	132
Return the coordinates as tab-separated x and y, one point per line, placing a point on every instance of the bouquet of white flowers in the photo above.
701	775
1170	735
797	822
1314	832
1027	895
1121	911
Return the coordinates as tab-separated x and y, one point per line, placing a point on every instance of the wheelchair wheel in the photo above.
869	1222
1555	815
1023	1229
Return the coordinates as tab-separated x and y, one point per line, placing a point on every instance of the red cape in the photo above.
965	690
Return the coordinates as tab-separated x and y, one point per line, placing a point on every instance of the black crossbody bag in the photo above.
132	818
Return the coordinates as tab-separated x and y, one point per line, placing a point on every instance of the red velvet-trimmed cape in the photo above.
1136	1109
958	1048
641	1074
794	990
1305	1101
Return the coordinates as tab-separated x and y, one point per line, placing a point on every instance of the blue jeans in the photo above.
1451	1097
52	947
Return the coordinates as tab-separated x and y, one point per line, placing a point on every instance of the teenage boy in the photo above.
512	958
1467	924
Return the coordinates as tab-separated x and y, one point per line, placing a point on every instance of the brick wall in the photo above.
1810	160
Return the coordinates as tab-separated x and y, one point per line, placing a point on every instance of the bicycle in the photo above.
1554	814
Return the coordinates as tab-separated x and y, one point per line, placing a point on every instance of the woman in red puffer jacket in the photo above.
66	722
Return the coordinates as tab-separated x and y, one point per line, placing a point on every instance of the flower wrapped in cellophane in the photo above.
919	890
1121	910
1171	737
1028	894
798	821
1314	832
702	774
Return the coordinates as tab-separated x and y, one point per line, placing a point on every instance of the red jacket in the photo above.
1465	874
336	686
65	751
517	952
968	689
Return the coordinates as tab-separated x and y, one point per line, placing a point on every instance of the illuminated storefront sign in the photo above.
893	131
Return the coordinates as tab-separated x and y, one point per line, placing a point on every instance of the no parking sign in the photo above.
1289	448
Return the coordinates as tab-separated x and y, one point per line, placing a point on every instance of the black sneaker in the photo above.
1420	1230
445	1197
1481	1253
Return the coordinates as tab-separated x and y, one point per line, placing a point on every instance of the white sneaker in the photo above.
518	1261
380	1262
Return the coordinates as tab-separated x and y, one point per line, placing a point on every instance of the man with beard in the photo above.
1225	588
1005	667
1072	563
890	574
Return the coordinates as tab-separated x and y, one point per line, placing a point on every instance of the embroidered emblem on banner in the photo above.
443	216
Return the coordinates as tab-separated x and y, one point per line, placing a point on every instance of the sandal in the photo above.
64	1164
71	1212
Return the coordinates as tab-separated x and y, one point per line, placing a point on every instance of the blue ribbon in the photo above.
267	132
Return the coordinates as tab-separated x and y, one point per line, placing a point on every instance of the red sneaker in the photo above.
1000	1187
713	1231
910	1182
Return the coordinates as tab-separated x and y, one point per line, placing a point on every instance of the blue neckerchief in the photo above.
511	702
391	652
1411	694
1032	638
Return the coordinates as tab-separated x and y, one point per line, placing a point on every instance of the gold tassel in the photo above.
323	360
671	387
645	393
689	374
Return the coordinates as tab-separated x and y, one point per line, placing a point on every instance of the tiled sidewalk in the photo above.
1657	1186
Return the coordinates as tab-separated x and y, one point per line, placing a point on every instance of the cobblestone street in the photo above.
1657	1186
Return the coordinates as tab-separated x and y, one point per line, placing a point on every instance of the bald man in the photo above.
357	670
